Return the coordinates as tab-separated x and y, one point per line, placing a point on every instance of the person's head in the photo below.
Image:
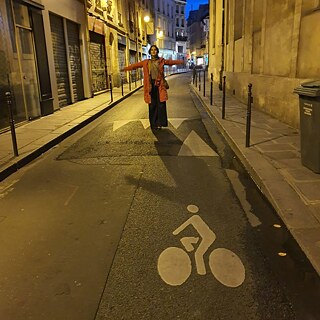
154	51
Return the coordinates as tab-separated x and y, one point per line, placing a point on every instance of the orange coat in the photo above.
163	94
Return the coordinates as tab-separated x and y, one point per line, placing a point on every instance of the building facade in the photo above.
198	35
272	44
44	58
164	22
55	53
181	30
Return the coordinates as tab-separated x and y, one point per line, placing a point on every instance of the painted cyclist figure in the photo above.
155	93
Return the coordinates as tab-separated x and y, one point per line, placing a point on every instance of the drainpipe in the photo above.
222	46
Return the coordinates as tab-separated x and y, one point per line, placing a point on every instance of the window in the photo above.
238	19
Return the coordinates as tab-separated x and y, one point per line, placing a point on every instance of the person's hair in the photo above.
154	46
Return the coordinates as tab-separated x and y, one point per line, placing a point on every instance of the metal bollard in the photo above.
110	84
199	80
135	79
248	124
196	78
129	81
204	82
122	85
223	98
11	121
211	88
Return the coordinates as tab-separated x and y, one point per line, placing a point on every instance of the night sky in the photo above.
194	5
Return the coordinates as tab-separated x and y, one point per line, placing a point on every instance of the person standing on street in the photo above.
154	85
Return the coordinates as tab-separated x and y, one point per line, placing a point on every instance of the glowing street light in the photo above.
146	19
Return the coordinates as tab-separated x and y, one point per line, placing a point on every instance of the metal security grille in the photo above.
122	59
60	60
75	60
132	59
98	62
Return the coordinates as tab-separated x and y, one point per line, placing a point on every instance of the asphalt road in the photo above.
119	222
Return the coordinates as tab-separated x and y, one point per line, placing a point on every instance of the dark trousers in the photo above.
157	109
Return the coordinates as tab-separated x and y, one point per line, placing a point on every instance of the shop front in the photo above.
122	45
97	55
133	58
23	62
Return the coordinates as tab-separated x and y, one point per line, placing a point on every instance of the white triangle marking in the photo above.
145	123
177	122
119	124
195	146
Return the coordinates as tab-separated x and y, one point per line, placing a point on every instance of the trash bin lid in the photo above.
309	89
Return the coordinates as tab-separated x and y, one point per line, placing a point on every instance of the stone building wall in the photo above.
272	44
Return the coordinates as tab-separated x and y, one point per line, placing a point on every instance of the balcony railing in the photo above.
181	38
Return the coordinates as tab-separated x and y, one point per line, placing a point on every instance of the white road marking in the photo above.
192	208
71	195
176	122
174	266
145	123
227	267
120	123
6	189
188	242
195	146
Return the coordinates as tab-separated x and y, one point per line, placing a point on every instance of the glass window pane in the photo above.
21	15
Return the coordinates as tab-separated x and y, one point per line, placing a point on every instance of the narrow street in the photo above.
119	222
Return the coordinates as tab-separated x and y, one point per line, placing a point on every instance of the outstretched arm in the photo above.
133	66
172	62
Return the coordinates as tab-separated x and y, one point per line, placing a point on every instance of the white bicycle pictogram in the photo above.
174	263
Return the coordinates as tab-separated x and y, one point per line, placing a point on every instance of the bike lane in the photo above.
187	250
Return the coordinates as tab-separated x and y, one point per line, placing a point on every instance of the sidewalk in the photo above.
273	159
274	162
38	136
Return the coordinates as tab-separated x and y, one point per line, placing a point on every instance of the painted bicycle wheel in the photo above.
227	267
174	266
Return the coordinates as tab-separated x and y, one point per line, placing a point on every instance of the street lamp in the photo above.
146	18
